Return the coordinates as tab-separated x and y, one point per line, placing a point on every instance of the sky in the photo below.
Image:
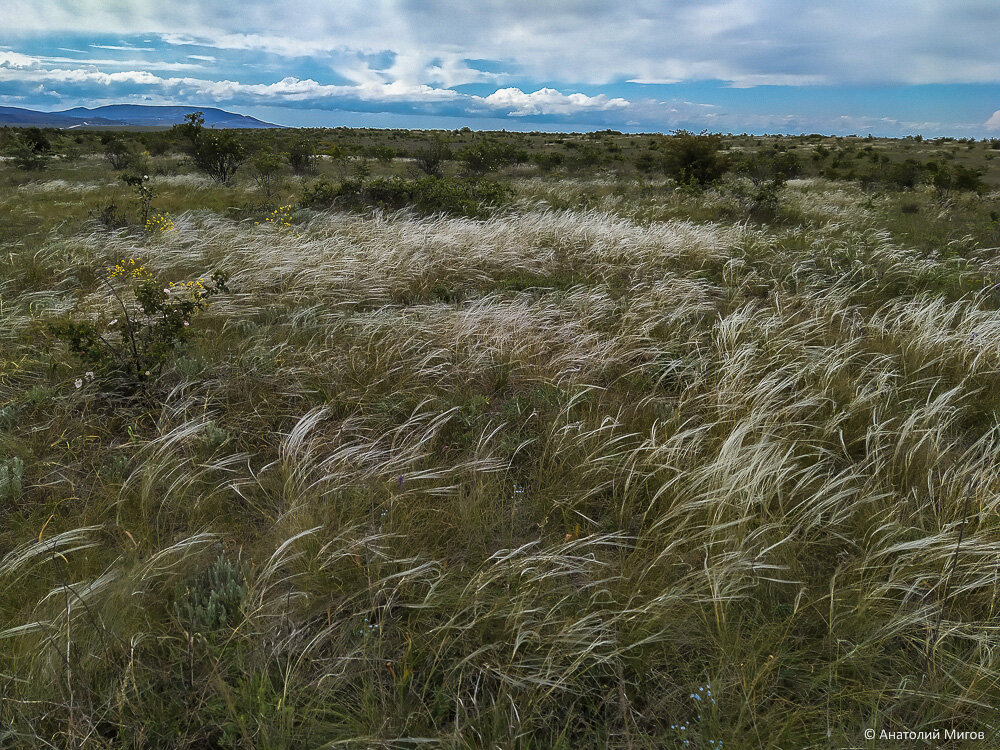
885	67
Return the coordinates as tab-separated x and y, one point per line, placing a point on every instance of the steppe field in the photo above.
403	439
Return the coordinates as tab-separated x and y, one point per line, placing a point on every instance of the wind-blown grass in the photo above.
522	482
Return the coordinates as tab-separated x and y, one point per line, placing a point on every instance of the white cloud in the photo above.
994	122
549	102
17	61
123	48
744	42
366	86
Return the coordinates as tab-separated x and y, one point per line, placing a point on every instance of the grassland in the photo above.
620	464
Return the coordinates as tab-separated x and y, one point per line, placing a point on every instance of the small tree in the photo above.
302	156
38	140
694	159
118	153
191	129
25	157
265	169
431	159
219	155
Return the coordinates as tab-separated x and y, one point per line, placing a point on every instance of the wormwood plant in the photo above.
149	324
212	600
11	474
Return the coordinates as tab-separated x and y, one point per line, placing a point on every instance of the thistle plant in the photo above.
144	194
150	321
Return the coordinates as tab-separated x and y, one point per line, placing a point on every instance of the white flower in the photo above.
89	374
78	382
186	324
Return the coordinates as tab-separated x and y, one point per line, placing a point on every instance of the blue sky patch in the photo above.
888	68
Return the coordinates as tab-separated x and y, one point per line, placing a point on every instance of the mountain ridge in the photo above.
126	115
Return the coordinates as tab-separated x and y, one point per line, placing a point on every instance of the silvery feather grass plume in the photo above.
530	481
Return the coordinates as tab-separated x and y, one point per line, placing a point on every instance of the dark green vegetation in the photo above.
496	440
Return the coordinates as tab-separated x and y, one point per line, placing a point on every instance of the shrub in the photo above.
427	195
265	170
157	144
150	322
219	155
118	153
694	159
967	178
25	156
489	155
37	140
548	160
646	162
110	215
431	159
956	177
903	175
384	154
302	156
770	167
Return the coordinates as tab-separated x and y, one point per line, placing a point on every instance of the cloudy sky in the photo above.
886	67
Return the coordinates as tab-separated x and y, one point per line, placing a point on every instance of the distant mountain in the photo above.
125	115
19	117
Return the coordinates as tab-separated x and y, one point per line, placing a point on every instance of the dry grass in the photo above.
524	482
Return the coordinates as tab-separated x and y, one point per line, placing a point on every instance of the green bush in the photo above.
548	160
218	154
265	169
119	153
694	159
426	195
904	175
302	156
489	155
770	167
956	177
26	156
150	321
431	159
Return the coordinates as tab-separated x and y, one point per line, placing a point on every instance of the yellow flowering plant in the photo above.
159	223
280	217
152	320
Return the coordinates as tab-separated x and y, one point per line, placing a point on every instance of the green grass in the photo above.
530	480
